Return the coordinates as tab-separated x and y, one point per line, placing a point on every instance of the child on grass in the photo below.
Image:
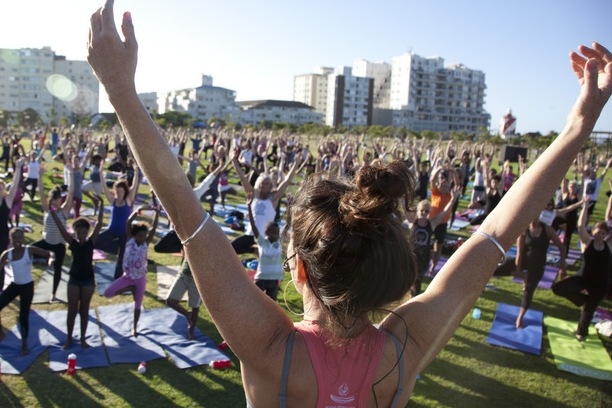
270	266
421	232
81	284
135	260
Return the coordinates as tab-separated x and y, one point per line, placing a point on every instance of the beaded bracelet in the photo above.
493	240
206	217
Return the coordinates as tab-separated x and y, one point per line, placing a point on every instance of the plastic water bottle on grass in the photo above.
71	364
219	364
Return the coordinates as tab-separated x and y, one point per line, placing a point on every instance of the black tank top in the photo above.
536	247
4	218
596	264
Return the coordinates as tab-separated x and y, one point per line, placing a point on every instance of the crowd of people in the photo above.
366	220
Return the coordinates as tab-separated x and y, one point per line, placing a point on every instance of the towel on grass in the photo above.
105	275
116	322
44	287
56	333
168	328
11	360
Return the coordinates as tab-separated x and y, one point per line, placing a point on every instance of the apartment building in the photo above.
298	113
381	73
349	99
53	86
311	89
441	98
203	103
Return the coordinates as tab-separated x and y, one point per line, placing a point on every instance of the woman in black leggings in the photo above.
19	260
531	256
52	238
594	276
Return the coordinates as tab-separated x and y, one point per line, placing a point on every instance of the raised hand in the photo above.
113	60
594	71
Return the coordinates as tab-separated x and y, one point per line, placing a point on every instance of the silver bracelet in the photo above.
493	240
206	217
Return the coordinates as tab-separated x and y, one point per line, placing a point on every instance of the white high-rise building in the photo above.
438	98
381	73
53	86
311	89
349	99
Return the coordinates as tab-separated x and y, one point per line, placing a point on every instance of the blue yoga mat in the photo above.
105	275
44	287
55	328
121	347
168	328
504	333
12	362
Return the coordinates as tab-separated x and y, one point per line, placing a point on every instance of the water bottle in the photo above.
476	313
223	345
142	367
218	364
71	364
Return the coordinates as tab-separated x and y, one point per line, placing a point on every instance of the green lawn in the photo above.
468	373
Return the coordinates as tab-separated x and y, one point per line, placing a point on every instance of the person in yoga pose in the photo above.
347	252
19	260
135	261
6	202
52	240
589	288
82	283
532	246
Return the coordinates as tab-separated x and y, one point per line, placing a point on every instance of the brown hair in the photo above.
124	185
602	225
348	234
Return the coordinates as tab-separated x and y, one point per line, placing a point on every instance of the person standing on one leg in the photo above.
135	262
19	260
591	287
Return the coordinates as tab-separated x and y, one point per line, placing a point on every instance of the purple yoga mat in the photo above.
550	274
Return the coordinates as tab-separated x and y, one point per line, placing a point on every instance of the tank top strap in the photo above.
400	366
285	375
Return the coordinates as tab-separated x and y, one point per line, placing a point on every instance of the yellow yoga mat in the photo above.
587	359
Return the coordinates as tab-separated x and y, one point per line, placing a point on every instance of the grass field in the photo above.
468	372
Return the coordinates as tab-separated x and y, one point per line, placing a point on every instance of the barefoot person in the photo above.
347	252
135	259
52	239
184	283
532	246
81	284
588	289
19	260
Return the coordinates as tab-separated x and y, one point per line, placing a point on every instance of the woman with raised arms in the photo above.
347	254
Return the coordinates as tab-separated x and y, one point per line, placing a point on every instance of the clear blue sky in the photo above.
255	48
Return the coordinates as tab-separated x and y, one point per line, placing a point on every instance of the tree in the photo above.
174	119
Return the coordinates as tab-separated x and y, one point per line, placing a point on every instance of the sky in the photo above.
256	48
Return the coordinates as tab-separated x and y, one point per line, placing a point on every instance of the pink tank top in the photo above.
344	373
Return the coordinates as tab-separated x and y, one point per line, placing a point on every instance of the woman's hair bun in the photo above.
378	189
